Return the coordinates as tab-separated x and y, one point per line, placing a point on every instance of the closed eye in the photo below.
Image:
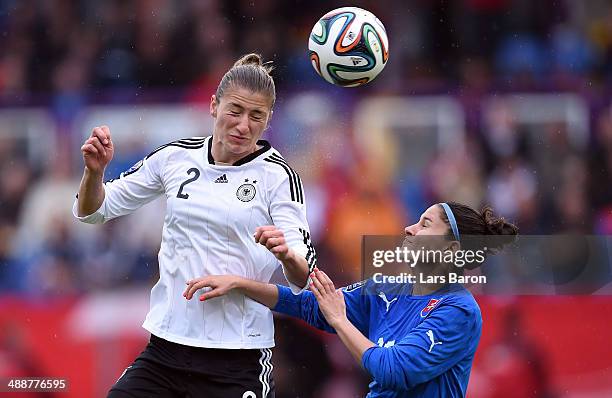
426	222
257	116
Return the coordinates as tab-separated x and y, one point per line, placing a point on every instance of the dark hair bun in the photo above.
255	60
249	59
481	230
506	232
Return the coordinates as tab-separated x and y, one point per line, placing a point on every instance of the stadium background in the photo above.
483	101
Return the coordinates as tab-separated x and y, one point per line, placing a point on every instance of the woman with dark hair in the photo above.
228	196
416	339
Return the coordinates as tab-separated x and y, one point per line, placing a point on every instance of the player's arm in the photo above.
296	269
97	153
306	307
288	212
333	307
281	299
265	293
99	202
430	349
276	297
294	265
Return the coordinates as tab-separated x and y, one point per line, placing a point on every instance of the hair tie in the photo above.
451	219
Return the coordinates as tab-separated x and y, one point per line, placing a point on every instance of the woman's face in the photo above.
430	223
430	232
240	118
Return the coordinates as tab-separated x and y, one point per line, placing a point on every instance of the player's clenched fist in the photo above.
273	239
98	149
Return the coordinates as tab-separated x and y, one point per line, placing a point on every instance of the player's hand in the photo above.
331	301
219	284
274	240
98	149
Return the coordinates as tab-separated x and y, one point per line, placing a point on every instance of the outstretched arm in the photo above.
265	293
281	299
277	298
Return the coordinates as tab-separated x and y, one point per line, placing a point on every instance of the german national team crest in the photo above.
429	307
246	192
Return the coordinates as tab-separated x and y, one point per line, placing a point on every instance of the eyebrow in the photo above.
427	219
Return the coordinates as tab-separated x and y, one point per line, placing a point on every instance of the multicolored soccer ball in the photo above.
348	46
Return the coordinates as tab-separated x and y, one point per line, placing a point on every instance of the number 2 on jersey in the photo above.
196	175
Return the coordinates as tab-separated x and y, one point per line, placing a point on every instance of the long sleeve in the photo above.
134	188
430	349
306	307
288	212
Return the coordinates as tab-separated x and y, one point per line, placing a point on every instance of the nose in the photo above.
411	230
243	125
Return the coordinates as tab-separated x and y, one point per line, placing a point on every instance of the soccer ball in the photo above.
348	46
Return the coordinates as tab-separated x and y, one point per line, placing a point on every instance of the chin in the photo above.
237	148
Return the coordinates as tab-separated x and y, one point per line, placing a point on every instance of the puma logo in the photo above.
384	297
429	334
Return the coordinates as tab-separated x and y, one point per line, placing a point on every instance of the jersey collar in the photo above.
265	146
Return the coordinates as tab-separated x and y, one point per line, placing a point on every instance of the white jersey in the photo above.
212	212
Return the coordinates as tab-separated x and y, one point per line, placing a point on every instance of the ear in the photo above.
454	246
213	106
268	120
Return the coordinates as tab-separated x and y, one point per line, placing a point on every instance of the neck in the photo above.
424	289
428	278
222	155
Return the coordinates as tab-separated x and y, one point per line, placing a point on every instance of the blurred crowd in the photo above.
66	54
65	47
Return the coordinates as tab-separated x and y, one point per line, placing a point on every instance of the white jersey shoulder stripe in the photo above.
295	183
185	143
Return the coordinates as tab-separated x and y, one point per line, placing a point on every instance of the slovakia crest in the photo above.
429	307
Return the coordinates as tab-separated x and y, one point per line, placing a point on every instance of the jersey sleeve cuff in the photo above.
288	302
295	289
299	249
96	217
306	252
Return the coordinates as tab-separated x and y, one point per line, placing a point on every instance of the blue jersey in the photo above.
425	344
